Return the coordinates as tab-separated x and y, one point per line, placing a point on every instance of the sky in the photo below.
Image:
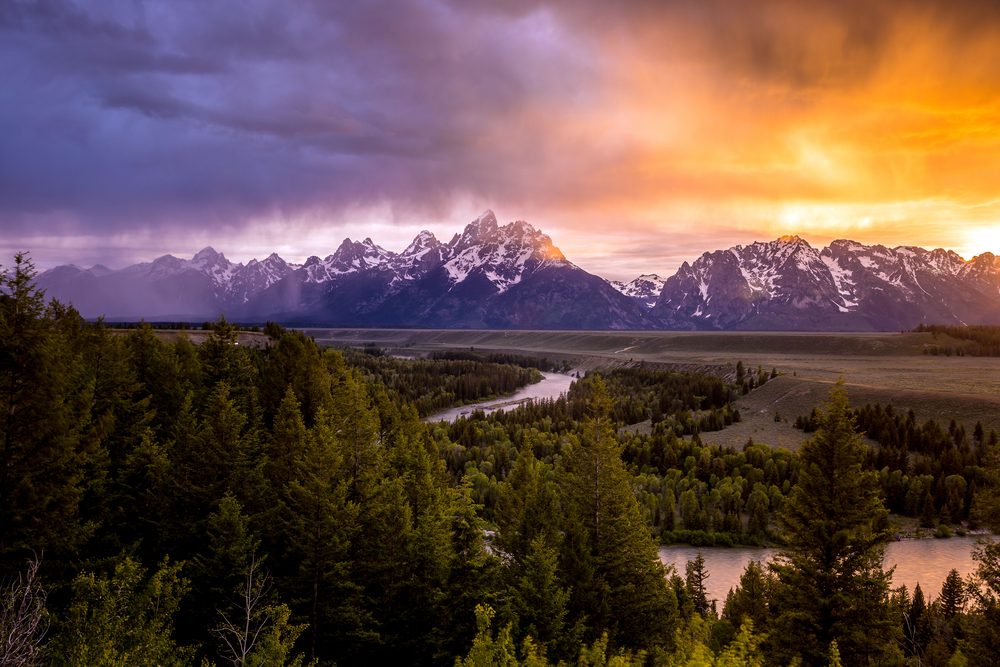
636	134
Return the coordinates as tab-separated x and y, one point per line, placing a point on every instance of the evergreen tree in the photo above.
220	568
318	523
695	576
743	651
757	509
830	582
953	595
618	580
983	627
287	441
539	601
750	599
44	458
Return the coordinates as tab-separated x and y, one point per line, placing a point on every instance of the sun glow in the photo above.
981	239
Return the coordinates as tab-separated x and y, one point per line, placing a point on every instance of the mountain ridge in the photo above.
512	275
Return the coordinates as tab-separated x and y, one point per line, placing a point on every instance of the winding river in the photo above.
551	386
924	561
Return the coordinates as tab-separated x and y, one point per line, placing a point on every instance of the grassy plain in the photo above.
876	367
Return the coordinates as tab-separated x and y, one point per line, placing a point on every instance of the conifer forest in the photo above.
170	503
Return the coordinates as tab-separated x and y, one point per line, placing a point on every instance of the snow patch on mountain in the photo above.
645	288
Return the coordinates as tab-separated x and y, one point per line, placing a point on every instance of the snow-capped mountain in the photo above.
512	276
787	284
489	275
645	289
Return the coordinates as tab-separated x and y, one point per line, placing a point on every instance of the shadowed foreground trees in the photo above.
830	585
165	482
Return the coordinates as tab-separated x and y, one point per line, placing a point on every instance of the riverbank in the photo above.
551	386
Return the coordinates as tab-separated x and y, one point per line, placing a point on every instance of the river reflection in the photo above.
551	386
926	562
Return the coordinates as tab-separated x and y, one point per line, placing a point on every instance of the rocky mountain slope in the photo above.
789	285
645	289
490	275
512	276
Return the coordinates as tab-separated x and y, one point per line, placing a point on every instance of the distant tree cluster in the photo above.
926	471
522	360
688	491
978	340
432	385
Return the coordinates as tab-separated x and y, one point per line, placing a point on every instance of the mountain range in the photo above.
512	276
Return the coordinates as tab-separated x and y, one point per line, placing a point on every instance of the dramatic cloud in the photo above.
637	134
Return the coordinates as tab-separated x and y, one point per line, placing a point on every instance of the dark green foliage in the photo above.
164	480
925	470
612	558
983	627
830	583
695	577
432	385
750	600
46	430
540	363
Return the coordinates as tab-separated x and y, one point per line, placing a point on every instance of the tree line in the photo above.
167	503
977	340
435	384
926	470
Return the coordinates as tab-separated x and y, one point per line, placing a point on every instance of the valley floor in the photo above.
876	368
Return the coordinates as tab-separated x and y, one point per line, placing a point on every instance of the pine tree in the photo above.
830	581
983	626
695	576
287	441
539	600
612	561
750	599
318	524
953	595
220	568
757	509
44	403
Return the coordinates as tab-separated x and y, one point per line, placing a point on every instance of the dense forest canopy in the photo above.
171	503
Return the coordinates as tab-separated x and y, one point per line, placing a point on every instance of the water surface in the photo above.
925	561
551	386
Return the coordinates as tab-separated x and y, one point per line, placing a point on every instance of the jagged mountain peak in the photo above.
784	246
512	275
502	255
645	288
788	284
487	217
481	229
421	243
208	252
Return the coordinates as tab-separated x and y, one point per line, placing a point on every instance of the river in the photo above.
925	561
551	386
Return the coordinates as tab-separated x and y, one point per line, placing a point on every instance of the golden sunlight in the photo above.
979	240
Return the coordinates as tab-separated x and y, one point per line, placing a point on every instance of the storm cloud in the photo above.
130	128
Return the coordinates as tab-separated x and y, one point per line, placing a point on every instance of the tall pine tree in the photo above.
830	583
611	559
